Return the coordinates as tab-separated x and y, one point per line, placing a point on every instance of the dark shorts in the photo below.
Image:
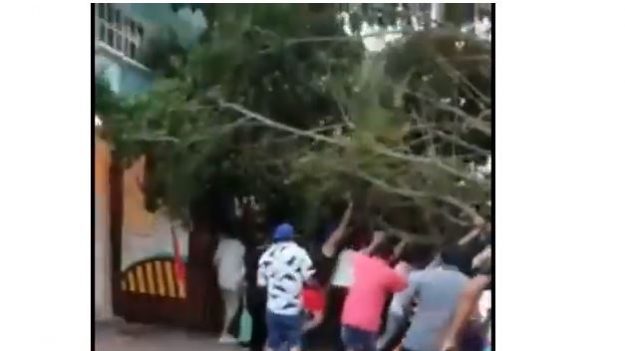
357	339
283	329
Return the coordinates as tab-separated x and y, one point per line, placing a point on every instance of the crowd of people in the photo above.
362	295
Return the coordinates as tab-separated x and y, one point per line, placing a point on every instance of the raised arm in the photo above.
482	257
378	237
330	245
478	225
468	300
399	249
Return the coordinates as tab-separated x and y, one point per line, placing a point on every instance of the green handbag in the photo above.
245	324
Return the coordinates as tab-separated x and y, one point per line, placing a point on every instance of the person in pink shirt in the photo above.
411	257
373	280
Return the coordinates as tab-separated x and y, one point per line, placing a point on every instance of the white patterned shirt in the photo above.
283	268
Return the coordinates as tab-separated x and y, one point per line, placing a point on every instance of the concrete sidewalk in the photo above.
119	336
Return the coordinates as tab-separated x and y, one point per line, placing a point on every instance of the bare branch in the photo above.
459	141
475	122
407	236
345	38
411	193
150	137
425	160
460	204
277	125
454	219
313	130
378	148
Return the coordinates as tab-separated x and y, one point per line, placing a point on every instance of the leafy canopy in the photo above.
278	101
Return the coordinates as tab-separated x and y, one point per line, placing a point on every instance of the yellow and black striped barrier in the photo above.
153	277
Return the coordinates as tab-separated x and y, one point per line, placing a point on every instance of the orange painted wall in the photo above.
136	219
144	234
102	165
102	275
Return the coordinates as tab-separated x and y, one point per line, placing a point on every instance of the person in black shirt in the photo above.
324	261
462	333
256	296
472	244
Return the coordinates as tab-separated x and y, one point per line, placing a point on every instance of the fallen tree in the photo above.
291	106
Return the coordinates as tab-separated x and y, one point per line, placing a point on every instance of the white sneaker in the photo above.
228	339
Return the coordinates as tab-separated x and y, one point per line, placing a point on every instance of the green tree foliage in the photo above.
278	101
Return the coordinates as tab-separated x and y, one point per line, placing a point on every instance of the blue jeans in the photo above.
356	339
283	329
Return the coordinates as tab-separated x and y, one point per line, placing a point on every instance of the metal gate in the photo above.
148	292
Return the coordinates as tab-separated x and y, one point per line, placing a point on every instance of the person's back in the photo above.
373	280
283	269
438	291
256	296
251	259
229	261
396	324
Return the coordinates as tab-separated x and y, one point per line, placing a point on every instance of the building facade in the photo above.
121	33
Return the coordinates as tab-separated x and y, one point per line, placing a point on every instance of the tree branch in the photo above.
277	125
475	122
151	138
379	148
454	73
407	236
459	141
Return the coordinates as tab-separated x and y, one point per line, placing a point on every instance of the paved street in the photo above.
124	337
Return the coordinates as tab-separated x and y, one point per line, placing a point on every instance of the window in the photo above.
118	31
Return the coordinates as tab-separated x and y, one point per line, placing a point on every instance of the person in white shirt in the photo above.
229	261
283	268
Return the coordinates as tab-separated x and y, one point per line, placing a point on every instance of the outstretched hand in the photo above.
399	248
330	246
350	206
449	344
378	237
350	202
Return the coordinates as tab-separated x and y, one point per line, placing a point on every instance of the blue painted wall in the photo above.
134	81
124	78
